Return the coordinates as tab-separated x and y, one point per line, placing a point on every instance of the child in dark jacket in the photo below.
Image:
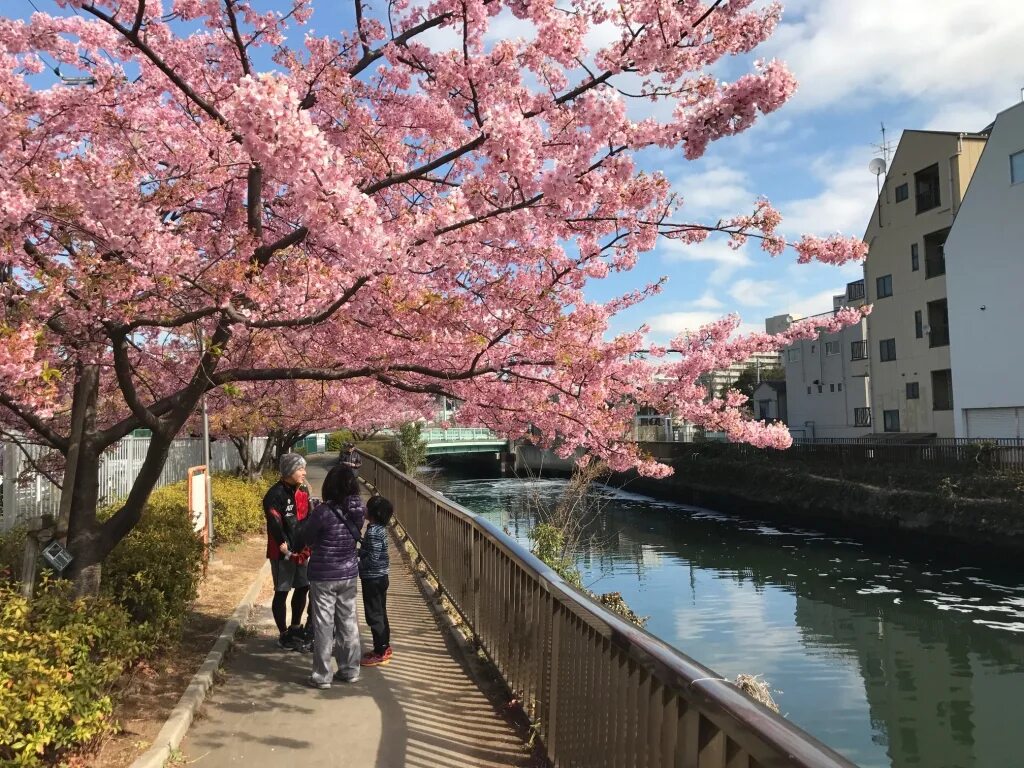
373	573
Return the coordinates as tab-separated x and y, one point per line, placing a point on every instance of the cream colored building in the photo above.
905	281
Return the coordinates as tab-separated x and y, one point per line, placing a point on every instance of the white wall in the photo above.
838	385
985	280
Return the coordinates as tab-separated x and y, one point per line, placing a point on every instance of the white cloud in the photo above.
962	116
715	250
844	51
844	203
707	301
669	324
717	192
754	293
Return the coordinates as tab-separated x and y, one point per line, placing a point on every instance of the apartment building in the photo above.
827	391
985	272
908	331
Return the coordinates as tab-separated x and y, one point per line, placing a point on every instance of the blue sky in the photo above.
931	64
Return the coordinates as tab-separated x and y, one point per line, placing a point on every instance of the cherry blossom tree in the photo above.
207	204
287	411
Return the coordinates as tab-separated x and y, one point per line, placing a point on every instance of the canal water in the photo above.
891	660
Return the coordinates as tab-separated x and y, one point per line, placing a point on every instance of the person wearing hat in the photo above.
284	505
349	457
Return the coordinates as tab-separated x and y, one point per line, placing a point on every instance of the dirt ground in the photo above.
156	686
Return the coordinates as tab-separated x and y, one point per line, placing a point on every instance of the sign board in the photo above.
197	506
56	556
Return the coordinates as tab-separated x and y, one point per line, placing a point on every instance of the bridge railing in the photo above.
599	690
457	434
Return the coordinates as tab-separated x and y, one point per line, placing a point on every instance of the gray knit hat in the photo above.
290	464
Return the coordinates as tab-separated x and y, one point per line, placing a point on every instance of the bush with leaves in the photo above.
60	659
155	571
238	506
12	550
412	451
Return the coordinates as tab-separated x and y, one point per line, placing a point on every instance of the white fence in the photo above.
28	493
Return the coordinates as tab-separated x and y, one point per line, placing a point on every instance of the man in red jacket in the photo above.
286	503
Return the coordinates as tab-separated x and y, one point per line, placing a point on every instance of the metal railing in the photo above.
599	691
457	435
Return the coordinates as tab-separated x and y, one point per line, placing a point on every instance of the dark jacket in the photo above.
281	504
334	550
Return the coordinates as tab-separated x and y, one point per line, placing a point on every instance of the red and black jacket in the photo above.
283	500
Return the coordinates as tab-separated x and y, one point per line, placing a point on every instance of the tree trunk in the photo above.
85	534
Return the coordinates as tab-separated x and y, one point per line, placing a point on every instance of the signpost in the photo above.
199	503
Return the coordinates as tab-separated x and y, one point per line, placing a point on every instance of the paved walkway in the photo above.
422	710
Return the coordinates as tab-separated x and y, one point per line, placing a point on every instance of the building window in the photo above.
862	417
935	253
832	387
926	188
821	388
855	290
840	386
1017	167
831	348
813	347
793	355
902	192
887	350
883	286
808	390
915	258
913	390
858	350
918	324
891	421
942	390
938	323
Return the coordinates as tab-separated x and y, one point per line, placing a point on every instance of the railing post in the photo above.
552	690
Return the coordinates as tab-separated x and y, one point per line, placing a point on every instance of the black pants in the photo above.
375	608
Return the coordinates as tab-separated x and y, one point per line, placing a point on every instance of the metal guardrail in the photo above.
458	434
600	691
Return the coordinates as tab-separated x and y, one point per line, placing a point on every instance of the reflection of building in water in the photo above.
924	666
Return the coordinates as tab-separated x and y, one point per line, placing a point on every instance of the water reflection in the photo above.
892	661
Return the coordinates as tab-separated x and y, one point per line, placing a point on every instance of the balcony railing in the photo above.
862	417
859	350
599	690
855	290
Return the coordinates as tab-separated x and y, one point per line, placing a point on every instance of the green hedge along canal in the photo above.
894	662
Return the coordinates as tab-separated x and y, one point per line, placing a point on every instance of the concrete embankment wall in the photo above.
934	517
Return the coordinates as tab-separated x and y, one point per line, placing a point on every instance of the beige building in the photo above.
905	281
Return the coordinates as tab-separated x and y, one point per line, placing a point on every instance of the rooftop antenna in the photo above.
878	166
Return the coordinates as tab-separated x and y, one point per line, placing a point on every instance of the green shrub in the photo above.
154	571
238	506
337	439
12	550
59	661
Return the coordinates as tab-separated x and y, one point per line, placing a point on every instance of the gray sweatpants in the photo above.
335	629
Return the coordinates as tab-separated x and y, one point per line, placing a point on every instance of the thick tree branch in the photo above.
35	423
319	317
243	55
368	58
123	370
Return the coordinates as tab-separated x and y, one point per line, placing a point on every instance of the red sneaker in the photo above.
387	653
374	660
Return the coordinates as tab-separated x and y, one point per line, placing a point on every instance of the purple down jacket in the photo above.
334	555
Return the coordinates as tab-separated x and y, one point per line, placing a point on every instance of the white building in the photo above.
827	387
985	277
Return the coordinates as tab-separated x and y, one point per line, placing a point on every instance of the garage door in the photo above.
995	422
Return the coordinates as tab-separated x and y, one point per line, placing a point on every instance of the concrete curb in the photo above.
180	719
